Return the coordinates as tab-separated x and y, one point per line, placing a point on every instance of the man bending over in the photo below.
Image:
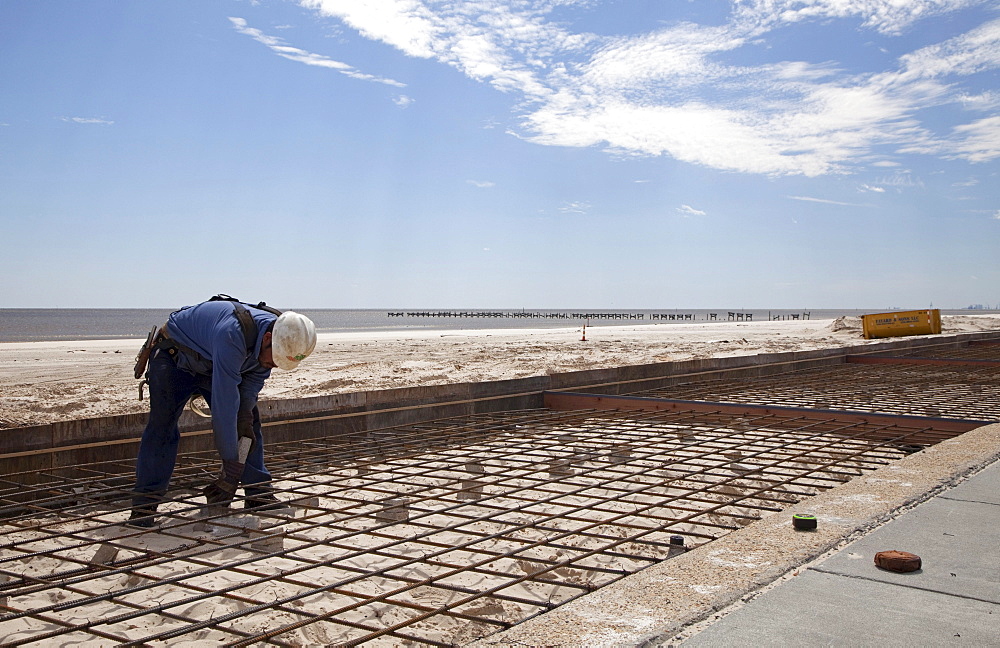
223	350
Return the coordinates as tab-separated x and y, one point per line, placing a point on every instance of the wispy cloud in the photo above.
674	90
279	47
887	17
988	100
575	208
482	184
688	210
901	180
88	120
402	101
996	216
871	188
824	201
976	142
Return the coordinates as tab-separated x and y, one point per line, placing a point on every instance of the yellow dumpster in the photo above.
918	322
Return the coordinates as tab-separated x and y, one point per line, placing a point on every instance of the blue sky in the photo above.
538	154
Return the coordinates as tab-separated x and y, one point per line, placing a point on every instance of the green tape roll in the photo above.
804	521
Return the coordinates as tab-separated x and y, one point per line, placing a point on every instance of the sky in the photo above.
614	154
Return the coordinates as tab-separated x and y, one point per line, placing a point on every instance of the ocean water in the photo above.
54	324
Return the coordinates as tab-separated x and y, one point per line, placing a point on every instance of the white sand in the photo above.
50	381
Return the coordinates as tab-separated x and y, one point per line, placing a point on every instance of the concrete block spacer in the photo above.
560	468
105	555
676	546
472	489
270	542
394	510
306	505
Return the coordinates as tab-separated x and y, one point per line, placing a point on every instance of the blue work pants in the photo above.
170	388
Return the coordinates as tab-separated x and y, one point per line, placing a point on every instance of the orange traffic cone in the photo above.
584	338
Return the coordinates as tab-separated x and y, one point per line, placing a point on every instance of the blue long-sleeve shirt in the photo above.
211	329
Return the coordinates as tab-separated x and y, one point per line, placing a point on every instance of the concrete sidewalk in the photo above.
845	600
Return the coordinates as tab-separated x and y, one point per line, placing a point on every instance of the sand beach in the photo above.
43	382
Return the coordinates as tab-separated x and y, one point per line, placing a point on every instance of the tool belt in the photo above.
142	359
158	338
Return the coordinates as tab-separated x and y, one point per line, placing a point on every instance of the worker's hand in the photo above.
244	426
217	495
221	491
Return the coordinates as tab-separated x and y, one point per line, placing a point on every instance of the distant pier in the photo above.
528	315
733	316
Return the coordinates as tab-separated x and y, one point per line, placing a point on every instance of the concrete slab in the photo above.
983	487
818	609
959	554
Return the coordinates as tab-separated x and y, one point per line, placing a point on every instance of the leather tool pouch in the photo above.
142	359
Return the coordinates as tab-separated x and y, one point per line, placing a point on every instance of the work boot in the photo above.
265	501
142	518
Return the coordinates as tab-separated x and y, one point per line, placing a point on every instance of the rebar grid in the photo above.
433	533
975	350
959	392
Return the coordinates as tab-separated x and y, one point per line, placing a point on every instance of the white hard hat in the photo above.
292	339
